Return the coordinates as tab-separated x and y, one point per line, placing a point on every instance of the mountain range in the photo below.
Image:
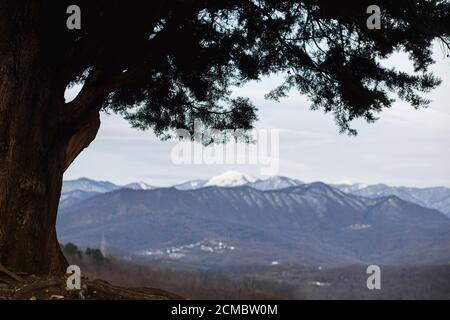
279	220
80	189
436	197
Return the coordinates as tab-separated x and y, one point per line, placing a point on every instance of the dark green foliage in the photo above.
71	249
166	64
95	254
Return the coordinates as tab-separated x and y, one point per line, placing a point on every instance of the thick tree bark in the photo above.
36	146
31	167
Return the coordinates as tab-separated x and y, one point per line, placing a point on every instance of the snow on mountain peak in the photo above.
230	179
139	186
144	186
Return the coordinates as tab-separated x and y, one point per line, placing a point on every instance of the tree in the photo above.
71	250
165	64
96	255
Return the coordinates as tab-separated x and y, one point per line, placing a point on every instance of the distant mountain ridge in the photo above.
437	197
90	185
81	189
312	224
235	178
226	179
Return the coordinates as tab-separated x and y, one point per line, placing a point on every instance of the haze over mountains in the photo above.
242	220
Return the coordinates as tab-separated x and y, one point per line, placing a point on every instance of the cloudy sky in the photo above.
404	147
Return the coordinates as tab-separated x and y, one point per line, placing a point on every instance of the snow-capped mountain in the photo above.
235	178
88	185
139	186
230	179
85	185
191	185
226	179
274	183
350	188
436	198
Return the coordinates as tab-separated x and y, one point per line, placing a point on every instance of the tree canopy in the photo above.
165	64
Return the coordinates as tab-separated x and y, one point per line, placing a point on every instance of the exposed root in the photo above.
54	288
10	274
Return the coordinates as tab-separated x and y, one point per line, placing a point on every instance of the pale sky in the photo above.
404	147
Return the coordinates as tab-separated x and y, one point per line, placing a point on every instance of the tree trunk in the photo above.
33	153
31	166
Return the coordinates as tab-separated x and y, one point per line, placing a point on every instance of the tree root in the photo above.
55	288
22	292
10	274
